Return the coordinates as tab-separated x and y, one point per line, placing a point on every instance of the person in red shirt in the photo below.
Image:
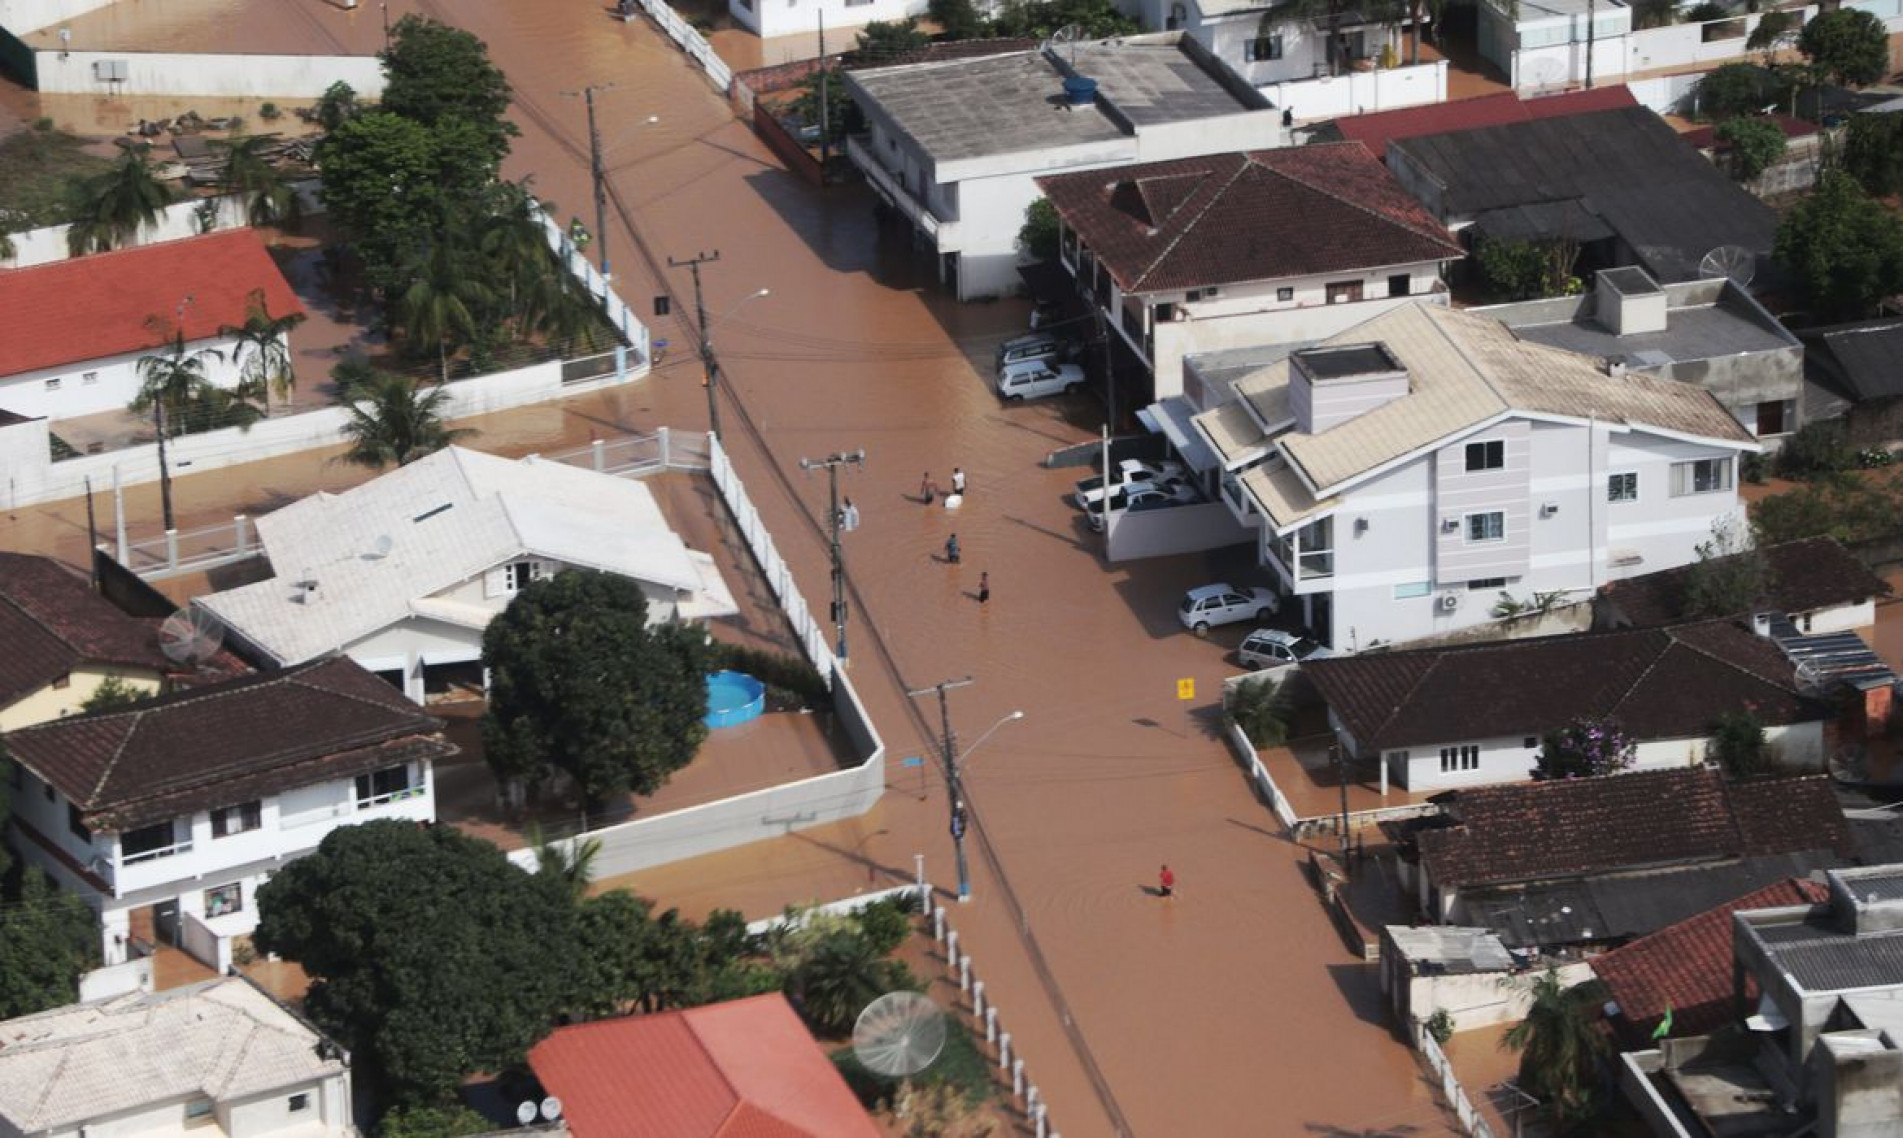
1166	883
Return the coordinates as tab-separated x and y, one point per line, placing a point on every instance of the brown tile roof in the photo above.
1814	573
1686	967
228	742
1540	831
1659	683
51	621
1255	216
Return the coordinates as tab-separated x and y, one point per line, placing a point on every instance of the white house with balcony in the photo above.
404	573
1264	247
218	1057
72	332
769	18
956	146
1404	474
166	816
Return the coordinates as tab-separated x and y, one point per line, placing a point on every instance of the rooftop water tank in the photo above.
1080	91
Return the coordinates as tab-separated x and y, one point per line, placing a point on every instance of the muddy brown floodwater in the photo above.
1232	1010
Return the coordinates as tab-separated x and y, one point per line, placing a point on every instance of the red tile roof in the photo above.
1256	216
1687	967
740	1069
1376	130
1541	831
88	308
51	622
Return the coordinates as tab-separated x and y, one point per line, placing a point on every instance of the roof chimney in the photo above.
1627	302
1332	385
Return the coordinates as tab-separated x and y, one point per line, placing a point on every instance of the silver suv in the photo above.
1036	346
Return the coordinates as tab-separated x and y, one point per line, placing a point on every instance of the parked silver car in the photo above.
1210	605
1272	647
1036	346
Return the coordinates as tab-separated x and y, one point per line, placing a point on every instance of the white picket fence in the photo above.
1450	1087
691	42
811	633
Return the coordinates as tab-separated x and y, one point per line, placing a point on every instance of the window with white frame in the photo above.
1622	487
1413	589
237	819
53	383
1490	455
88	378
1261	49
1490	526
517	575
1284	294
387	785
224	899
1455	759
1701	476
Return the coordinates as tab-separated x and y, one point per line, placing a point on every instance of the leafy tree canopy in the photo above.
1561	1048
884	39
580	683
1844	247
1847	46
438	74
1735	89
960	19
1755	145
430	952
48	937
1738	744
1729	576
1527	270
1586	748
1039	235
393	420
1873	152
1039	18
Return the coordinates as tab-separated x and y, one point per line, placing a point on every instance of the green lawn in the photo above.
35	168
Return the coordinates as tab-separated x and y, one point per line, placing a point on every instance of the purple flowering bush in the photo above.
1586	748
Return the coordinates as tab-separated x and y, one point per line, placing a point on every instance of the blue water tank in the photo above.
1080	91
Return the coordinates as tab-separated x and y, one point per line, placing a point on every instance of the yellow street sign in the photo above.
1186	688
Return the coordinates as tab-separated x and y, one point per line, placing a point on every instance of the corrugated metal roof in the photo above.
1829	658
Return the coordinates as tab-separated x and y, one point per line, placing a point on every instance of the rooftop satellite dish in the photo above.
899	1034
551	1109
1732	261
1066	36
381	547
525	1113
191	636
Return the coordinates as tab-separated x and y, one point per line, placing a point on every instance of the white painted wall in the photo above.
23	16
207	75
176	222
327	1111
766	18
88	387
1361	92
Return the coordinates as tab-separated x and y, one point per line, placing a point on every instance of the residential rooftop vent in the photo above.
1080	90
1351	361
1628	302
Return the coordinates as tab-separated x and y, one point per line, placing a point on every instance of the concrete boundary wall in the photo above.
1361	92
206	75
176	222
1450	1087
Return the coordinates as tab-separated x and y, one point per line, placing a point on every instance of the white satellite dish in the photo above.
380	548
899	1034
1069	35
551	1109
1548	73
525	1113
1732	261
191	636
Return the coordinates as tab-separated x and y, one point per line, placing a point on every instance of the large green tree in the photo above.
1730	575
1560	1048
440	308
436	74
580	683
1843	246
48	938
432	956
396	186
393	420
1873	152
111	207
1847	46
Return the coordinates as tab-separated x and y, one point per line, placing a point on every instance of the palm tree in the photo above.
844	973
518	256
115	204
268	198
395	421
1560	1048
263	351
171	381
441	303
573	863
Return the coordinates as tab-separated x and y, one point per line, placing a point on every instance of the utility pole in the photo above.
1341	776
1591	31
158	419
386	25
594	164
825	109
709	368
954	788
838	520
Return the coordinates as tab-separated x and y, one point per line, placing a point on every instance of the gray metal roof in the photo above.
1722	326
1831	657
1449	949
1008	104
1823	957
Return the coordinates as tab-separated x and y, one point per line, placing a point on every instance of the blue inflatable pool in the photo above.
733	698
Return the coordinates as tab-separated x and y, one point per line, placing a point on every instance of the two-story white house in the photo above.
1405	473
403	573
1286	246
167	816
1268	44
216	1058
956	146
72	332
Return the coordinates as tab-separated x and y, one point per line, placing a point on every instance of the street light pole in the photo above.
838	521
954	788
709	368
594	164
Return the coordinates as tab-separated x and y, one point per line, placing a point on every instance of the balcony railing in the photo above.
376	800
1317	565
153	855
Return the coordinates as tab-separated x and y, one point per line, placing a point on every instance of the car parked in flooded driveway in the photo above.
1272	647
1209	605
1034	379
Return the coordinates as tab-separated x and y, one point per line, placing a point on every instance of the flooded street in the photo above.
1232	1010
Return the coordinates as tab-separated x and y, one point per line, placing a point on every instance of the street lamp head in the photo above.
652	119
1017	715
762	292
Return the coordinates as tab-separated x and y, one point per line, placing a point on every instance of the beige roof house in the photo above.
220	1055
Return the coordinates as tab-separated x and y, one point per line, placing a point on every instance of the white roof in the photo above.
222	1039
448	518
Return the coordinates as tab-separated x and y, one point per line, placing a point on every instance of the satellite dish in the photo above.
551	1108
190	636
899	1034
525	1113
380	548
1068	35
1733	261
1548	73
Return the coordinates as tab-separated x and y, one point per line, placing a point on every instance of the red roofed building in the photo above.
1376	130
742	1069
1686	969
72	332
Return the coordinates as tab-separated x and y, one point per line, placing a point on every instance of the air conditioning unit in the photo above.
1447	602
109	70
